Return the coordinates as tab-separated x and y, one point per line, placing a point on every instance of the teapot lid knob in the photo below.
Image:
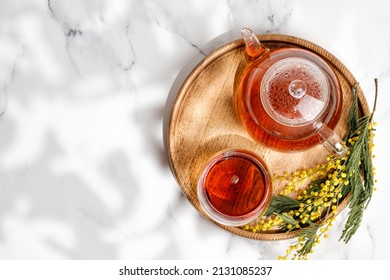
297	88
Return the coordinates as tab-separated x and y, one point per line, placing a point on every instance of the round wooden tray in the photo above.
203	121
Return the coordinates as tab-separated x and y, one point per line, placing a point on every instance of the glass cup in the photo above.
234	187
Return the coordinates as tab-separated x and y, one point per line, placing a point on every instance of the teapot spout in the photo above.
253	47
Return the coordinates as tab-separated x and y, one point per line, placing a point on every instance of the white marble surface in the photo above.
83	84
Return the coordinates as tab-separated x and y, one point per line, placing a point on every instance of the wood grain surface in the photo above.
203	121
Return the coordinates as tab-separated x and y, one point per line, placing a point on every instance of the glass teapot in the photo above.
288	98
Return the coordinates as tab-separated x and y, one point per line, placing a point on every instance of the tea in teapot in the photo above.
288	98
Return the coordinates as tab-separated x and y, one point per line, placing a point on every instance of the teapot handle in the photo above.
332	141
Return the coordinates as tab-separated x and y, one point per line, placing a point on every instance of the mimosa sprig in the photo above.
314	208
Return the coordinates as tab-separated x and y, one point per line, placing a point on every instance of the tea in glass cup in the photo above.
234	187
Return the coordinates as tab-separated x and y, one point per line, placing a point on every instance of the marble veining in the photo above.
83	94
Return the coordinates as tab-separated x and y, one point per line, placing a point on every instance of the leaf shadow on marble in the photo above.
40	206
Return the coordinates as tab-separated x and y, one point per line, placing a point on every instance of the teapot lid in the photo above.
294	91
